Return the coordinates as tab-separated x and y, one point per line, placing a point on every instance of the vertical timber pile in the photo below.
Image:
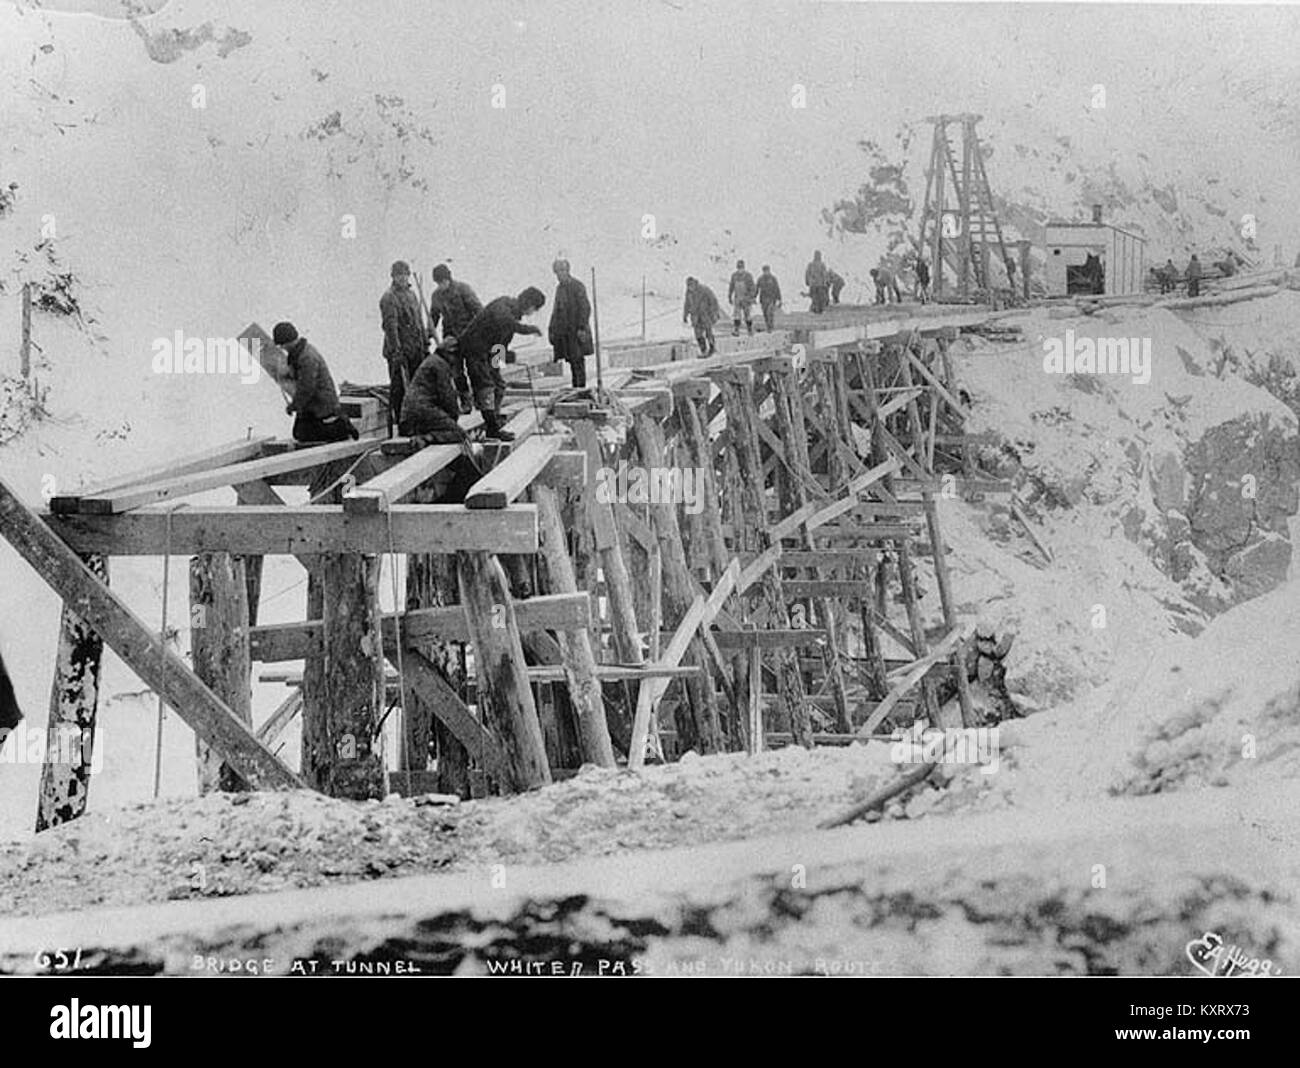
74	701
750	524
343	684
575	645
873	654
702	730
796	479
690	402
505	697
219	614
599	522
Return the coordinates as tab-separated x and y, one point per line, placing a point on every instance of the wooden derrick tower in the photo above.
960	232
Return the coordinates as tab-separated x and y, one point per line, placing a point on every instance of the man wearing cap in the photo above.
569	332
702	311
484	346
453	304
836	282
740	292
406	341
320	418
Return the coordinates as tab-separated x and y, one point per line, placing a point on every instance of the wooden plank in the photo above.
898	403
767	639
914	674
278	721
958	408
141	650
422	679
700	614
231	452
145	493
383	491
293	641
818	557
795	588
505	482
270	530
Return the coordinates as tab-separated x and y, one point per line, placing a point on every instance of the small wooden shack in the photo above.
1121	253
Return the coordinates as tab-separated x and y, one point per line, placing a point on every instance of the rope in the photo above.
344	477
162	649
397	624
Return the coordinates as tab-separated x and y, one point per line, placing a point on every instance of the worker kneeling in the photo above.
319	416
431	408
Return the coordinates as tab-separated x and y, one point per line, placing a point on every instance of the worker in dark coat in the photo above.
570	331
836	281
701	309
769	296
741	292
432	408
485	345
922	280
453	304
10	714
320	417
406	341
1194	277
816	277
886	285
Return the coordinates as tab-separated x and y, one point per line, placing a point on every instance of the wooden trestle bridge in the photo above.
545	625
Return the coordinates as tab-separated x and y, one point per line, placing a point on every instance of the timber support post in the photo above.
219	614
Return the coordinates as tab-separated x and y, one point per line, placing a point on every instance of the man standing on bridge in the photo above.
405	338
741	293
569	331
1194	277
453	304
701	309
817	278
769	296
886	284
485	345
836	281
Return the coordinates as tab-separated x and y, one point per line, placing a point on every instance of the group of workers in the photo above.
1168	276
443	360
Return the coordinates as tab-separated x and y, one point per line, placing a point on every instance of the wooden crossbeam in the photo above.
958	408
139	648
423	680
383	491
271	530
914	674
827	588
505	482
767	639
138	495
899	402
537	673
276	723
232	452
819	557
294	641
700	614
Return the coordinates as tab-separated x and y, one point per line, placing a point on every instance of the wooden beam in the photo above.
144	493
424	680
958	408
383	491
139	648
767	639
286	712
501	674
219	651
270	530
914	674
293	641
795	588
232	452
505	482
